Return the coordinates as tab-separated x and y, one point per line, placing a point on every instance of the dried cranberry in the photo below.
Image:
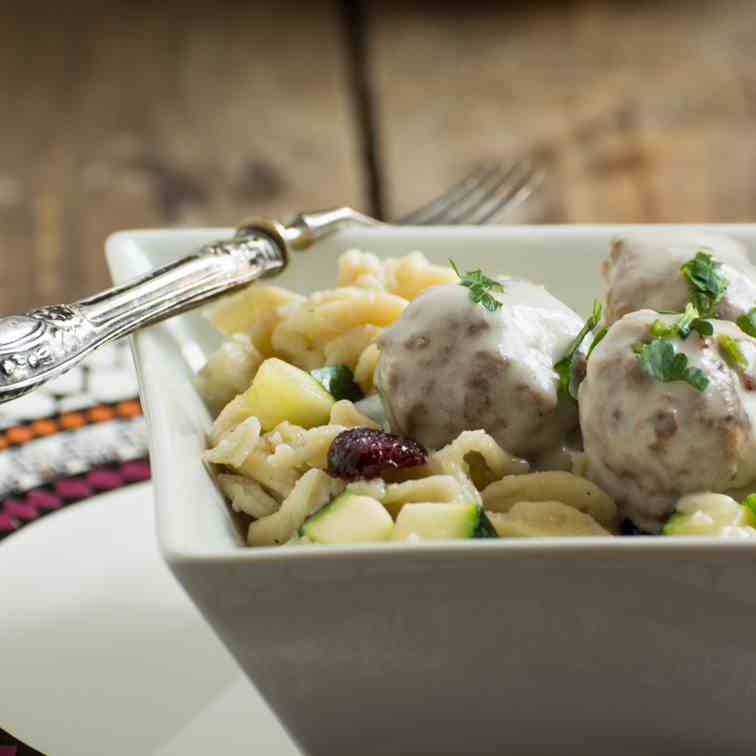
365	453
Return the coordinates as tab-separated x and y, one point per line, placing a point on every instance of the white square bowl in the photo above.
591	647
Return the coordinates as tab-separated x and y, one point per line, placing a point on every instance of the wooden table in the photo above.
123	114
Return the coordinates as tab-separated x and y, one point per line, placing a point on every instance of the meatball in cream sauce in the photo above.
643	271
449	365
649	442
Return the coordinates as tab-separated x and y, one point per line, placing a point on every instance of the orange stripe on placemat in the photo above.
72	420
100	414
19	434
44	427
130	408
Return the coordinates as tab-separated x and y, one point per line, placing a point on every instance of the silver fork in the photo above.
44	343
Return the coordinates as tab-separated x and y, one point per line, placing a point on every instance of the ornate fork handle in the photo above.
46	342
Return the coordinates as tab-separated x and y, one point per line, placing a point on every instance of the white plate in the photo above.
102	653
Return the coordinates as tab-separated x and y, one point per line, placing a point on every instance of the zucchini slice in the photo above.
348	519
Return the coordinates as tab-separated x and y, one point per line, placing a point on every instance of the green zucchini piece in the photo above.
484	528
709	514
338	381
348	518
436	521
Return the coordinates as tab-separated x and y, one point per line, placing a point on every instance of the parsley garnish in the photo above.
660	360
687	322
747	323
707	285
598	336
703	327
564	366
731	351
750	502
479	285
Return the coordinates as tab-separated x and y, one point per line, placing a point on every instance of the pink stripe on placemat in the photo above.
73	488
135	471
43	499
104	480
19	509
7	523
8	751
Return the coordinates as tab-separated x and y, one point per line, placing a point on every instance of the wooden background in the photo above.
123	114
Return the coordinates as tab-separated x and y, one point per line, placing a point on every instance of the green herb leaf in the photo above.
564	371
597	337
596	312
703	327
660	330
659	360
707	285
696	378
564	366
480	286
731	351
687	322
747	323
750	502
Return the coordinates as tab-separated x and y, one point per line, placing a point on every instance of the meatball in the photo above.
448	365
648	442
643	271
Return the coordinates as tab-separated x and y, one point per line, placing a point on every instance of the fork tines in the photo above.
479	197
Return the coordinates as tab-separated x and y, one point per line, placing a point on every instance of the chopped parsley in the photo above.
480	286
661	361
707	285
597	337
702	326
750	502
564	366
747	323
687	322
732	353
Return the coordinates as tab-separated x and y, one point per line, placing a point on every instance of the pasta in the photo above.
229	371
310	329
247	495
255	311
454	460
347	348
534	519
345	414
554	485
234	447
434	488
311	491
364	372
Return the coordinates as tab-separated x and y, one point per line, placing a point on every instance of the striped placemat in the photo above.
77	436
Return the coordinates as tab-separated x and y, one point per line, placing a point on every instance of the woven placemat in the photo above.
77	436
